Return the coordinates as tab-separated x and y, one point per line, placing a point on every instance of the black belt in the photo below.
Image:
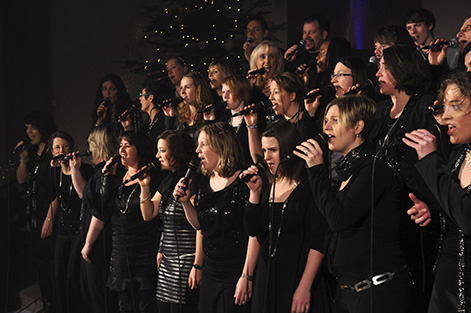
365	284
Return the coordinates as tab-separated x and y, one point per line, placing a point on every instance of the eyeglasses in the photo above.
144	94
339	75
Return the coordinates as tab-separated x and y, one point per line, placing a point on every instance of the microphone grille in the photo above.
453	43
302	42
250	39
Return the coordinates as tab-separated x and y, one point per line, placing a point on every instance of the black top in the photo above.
221	217
348	213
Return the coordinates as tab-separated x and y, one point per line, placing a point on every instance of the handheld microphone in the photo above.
301	43
124	116
368	84
321	139
311	63
114	160
167	102
206	109
256	107
71	156
373	59
246	178
250	40
328	90
452	43
192	166
259	71
106	103
25	145
146	169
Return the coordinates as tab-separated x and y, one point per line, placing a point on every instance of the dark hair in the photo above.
223	140
394	35
142	143
291	83
226	66
358	68
324	24
123	101
411	72
461	79
338	48
420	15
181	147
353	109
65	136
178	59
160	89
288	138
259	19
43	122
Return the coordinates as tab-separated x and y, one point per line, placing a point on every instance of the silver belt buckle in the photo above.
382	278
362	285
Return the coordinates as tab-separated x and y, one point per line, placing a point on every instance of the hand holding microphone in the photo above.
110	165
311	151
181	191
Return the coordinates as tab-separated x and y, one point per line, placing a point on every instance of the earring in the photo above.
357	135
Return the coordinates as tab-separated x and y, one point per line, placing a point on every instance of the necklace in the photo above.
467	159
126	204
272	252
61	201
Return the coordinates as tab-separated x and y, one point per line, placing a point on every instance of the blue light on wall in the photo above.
358	9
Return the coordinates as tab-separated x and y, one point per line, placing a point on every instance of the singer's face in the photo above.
60	146
188	91
271	153
379	47
281	100
215	75
209	158
268	61
109	91
256	32
341	137
420	33
128	153
175	71
33	134
464	35
322	57
467	61
164	156
457	115
145	103
313	36
387	83
341	83
232	102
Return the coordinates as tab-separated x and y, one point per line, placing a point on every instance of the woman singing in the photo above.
176	263
218	210
363	214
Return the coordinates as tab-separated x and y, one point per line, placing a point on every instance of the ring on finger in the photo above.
423	135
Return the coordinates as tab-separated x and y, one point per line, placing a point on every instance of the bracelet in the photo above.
249	277
144	200
197	266
50	220
251	126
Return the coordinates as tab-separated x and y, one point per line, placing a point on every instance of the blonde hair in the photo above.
102	144
263	47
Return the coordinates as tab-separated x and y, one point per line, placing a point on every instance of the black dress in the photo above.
452	287
348	213
302	228
221	217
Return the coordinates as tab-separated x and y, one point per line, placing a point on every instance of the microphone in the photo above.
250	40
124	116
71	156
452	43
106	103
146	169
206	109
363	87
328	90
309	64
114	160
373	59
246	178
301	43
167	102
256	107
321	139
259	71
25	145
192	166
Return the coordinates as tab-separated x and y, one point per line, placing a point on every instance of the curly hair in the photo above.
203	97
462	80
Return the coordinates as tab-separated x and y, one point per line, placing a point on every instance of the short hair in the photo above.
288	138
358	68
225	65
43	122
353	109
393	35
65	136
411	72
324	24
223	140
143	144
461	79
291	82
181	148
259	19
420	15
239	87
102	143
160	89
203	96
